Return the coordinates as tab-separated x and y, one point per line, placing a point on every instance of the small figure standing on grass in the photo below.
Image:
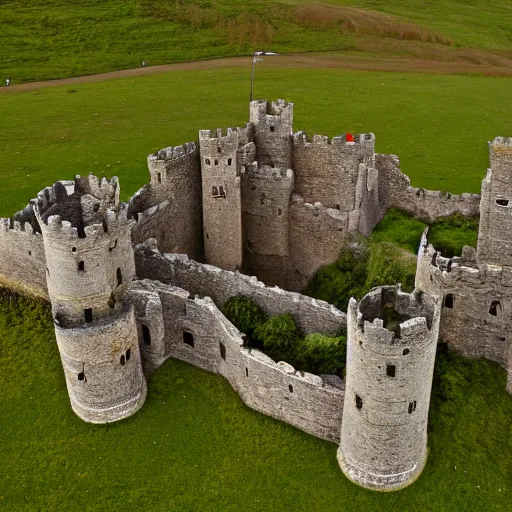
7	82
143	63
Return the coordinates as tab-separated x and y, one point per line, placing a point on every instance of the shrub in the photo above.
322	354
450	234
246	316
280	337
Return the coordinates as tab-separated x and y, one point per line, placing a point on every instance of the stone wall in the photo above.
22	258
395	191
316	237
175	188
196	332
205	280
476	302
326	170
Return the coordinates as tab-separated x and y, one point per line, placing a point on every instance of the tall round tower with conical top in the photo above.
90	264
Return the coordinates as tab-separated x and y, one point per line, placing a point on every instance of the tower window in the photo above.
359	402
272	129
73	249
247	372
119	276
146	335
448	301
159	177
188	338
290	388
88	315
122	360
502	202
406	351
81	376
279	211
207	161
229	161
215	192
30	253
222	192
495	308
222	349
390	370
412	407
216	162
81	266
128	354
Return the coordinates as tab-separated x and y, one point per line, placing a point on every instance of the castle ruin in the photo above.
255	211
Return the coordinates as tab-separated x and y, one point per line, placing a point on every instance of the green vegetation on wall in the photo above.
281	339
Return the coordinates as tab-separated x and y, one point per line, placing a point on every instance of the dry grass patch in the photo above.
359	21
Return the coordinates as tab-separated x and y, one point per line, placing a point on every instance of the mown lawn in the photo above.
195	446
42	39
438	125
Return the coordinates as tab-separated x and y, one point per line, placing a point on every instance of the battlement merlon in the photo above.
243	135
266	171
366	140
389	318
280	111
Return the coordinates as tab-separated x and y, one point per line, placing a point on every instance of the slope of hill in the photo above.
57	38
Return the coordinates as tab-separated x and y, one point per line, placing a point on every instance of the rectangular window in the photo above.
88	315
222	351
188	338
390	370
81	266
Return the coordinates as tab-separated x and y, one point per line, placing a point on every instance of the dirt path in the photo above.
499	67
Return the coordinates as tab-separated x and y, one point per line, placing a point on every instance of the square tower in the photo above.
495	233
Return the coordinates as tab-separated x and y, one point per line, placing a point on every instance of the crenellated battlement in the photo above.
9	224
302	139
276	173
318	208
219	135
172	153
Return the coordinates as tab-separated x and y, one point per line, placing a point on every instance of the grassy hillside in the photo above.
195	446
438	125
42	39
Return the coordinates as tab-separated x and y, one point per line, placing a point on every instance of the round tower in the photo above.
392	338
89	266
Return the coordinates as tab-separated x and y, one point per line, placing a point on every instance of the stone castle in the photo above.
256	212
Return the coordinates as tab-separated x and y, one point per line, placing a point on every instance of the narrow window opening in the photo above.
247	372
146	335
216	162
229	161
222	192
207	161
30	253
502	202
128	354
207	236
219	150
122	360
290	387
359	402
390	370
360	343
272	129
215	192
88	314
279	211
501	338
136	217
495	308
448	301
73	249
81	376
81	266
159	177
338	207
406	351
434	259
119	276
222	351
410	407
188	338
96	208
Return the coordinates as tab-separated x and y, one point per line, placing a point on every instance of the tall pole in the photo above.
252	73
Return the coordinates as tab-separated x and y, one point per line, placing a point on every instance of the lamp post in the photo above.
255	59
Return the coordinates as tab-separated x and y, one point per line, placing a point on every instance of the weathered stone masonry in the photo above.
275	205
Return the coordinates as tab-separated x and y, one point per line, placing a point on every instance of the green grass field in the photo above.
438	125
195	446
42	39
